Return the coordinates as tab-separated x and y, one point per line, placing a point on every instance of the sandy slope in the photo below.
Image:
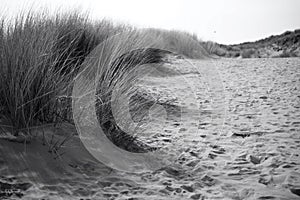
254	155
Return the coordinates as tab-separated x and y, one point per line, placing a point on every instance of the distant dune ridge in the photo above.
283	45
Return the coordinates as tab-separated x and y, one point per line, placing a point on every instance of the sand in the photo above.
231	127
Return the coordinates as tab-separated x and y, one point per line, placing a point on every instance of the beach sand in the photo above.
231	127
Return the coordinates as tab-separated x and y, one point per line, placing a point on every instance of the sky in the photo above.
222	21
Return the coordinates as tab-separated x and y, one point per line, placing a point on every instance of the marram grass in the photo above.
40	56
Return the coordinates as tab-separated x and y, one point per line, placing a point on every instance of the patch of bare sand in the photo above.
48	165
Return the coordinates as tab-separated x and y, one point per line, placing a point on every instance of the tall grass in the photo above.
38	60
40	55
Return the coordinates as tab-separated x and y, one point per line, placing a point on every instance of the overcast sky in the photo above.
223	21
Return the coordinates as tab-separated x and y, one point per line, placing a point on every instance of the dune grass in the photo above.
181	42
41	54
39	58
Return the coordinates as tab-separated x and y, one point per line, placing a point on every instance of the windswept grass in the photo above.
38	60
40	55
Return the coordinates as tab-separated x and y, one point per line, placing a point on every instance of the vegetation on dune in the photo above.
284	45
183	43
121	75
40	56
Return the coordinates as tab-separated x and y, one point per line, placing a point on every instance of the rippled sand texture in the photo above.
254	156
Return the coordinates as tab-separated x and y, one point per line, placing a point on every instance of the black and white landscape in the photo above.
93	109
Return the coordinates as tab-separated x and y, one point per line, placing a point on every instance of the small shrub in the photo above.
287	54
234	54
220	52
248	53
